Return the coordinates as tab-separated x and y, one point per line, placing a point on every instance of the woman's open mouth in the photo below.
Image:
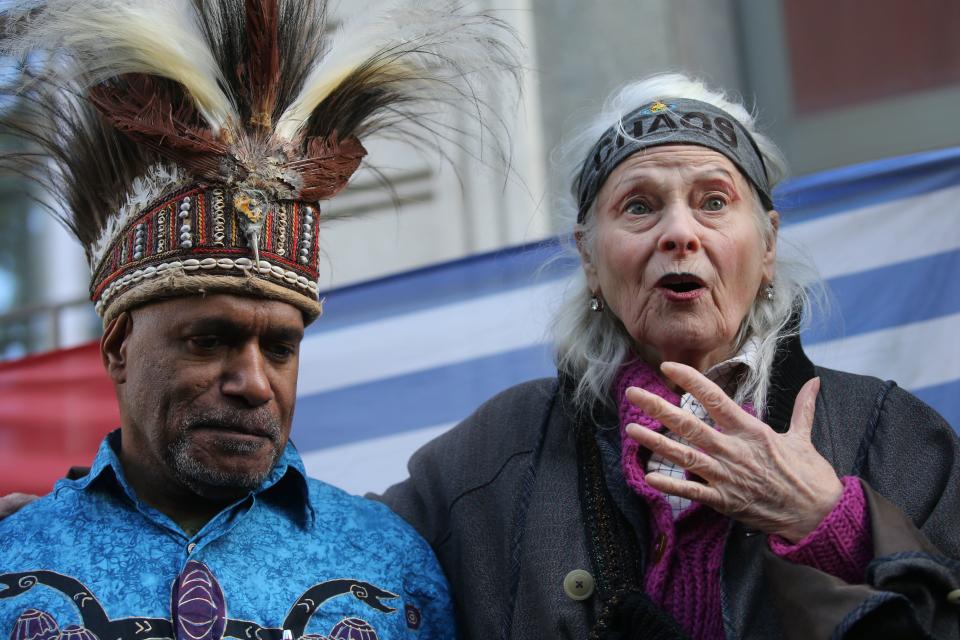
681	287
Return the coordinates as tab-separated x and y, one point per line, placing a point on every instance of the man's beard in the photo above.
214	482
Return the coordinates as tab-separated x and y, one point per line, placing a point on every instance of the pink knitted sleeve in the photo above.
841	545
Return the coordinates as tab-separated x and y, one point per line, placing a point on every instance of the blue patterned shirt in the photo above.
91	561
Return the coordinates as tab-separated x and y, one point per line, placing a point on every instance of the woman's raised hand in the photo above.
776	483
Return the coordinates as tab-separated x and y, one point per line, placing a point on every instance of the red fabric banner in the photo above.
55	409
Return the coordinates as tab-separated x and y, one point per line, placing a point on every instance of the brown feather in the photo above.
155	113
262	68
327	166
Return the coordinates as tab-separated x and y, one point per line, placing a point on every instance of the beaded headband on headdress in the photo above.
670	121
199	231
189	143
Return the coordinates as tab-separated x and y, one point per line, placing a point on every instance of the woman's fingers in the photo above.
683	423
801	422
696	491
724	411
777	483
682	455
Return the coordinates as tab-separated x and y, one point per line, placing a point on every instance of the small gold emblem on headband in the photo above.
657	107
248	206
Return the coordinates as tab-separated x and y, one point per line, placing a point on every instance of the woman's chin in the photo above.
687	343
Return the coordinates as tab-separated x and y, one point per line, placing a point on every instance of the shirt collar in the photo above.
105	464
288	473
724	374
288	486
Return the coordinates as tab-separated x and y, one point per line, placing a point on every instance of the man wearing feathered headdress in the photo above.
187	145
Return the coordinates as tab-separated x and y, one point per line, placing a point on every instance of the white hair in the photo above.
591	346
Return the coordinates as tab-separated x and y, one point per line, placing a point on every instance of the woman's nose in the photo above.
679	231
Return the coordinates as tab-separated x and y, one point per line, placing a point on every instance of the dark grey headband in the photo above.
671	121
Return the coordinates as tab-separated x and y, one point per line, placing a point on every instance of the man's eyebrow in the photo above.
284	334
212	325
226	326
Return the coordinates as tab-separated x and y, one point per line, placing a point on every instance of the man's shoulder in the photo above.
60	503
40	526
337	512
325	497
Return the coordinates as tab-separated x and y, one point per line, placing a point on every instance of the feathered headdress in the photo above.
186	143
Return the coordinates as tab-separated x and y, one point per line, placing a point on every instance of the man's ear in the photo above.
586	261
113	347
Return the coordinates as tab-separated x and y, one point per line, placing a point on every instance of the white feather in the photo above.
437	50
104	38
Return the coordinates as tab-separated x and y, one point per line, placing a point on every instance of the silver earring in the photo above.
596	304
769	292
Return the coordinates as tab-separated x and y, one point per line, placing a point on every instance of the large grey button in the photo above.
578	584
954	597
191	547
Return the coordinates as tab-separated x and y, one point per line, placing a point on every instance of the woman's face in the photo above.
678	254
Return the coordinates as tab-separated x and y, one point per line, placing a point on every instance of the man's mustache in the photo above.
251	422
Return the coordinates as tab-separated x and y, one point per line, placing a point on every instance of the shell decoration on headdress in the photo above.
186	143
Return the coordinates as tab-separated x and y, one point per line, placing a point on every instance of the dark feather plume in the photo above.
261	73
84	165
92	133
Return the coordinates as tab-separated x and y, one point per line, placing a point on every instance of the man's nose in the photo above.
246	376
679	231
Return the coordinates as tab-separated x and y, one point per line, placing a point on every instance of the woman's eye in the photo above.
714	204
637	208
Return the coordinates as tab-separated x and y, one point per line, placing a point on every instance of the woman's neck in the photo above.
699	360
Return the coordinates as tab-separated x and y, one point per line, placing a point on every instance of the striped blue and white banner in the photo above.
394	362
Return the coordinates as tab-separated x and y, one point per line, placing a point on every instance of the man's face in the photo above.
207	390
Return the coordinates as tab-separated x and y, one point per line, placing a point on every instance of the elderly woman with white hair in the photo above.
690	473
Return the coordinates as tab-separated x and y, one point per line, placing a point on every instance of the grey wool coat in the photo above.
497	498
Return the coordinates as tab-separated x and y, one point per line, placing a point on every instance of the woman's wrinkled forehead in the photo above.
663	165
671	122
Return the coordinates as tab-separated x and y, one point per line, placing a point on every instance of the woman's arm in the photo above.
909	465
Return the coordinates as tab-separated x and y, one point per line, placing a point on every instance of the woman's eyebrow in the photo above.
630	182
718	179
714	173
